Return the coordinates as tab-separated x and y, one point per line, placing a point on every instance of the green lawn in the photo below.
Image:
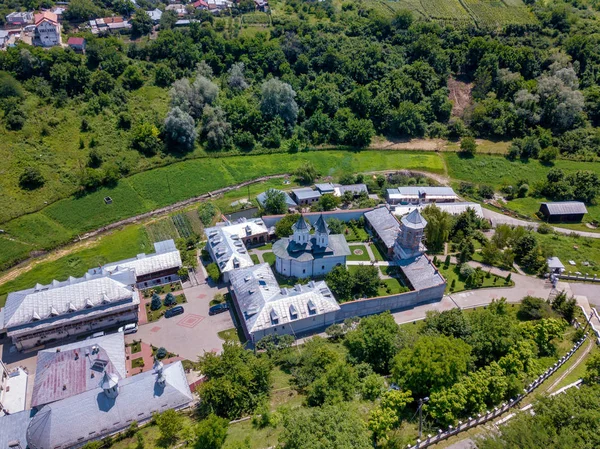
163	186
578	249
265	247
452	274
136	347
117	245
137	363
229	335
379	257
363	256
391	287
254	258
269	258
154	315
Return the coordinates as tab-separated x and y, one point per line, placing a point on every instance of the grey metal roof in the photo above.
263	304
414	220
420	272
77	367
301	224
554	263
226	245
566	207
306	193
288	199
321	225
385	225
354	188
92	415
287	249
166	257
325	187
451	208
13	427
48	303
416	191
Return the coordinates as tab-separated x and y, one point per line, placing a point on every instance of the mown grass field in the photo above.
577	249
163	186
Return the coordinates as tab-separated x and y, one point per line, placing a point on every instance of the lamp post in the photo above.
421	402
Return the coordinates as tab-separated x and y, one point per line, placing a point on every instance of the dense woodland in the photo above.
336	80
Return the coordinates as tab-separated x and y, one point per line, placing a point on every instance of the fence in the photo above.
579	277
489	415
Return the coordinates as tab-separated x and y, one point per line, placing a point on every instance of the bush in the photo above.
156	303
486	191
170	299
545	228
161	353
31	179
466	271
213	271
468	146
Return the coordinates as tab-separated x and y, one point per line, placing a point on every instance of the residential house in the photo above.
290	203
218	5
177	8
355	189
308	255
200	4
4	38
325	188
77	44
19	18
261	5
305	196
47	29
155	15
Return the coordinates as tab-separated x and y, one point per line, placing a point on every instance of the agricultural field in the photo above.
162	229
484	13
166	185
256	19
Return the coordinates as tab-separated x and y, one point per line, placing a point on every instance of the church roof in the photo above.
301	224
321	225
414	220
287	249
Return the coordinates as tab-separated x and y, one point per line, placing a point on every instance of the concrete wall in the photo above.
373	306
312	217
311	268
299	327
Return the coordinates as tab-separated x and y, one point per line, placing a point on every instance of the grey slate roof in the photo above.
566	207
286	248
452	208
264	304
420	272
74	364
354	188
288	199
384	224
554	263
13	427
92	414
414	220
63	300
306	193
325	187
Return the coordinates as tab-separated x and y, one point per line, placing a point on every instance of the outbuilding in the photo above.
559	211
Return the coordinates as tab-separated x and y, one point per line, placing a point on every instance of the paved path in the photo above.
497	218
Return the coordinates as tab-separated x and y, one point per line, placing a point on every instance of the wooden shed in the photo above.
563	211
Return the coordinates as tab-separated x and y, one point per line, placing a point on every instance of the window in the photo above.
322	267
303	271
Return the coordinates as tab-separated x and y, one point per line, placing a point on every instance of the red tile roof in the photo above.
200	3
108	20
76	41
46	15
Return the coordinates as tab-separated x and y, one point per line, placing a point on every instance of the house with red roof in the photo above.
47	29
77	44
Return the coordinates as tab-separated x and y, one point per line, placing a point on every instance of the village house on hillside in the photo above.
47	29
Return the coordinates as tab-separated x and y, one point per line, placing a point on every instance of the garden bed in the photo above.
154	315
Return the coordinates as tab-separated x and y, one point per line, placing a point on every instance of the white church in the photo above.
310	255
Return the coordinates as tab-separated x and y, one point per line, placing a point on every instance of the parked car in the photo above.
96	335
218	308
177	310
130	328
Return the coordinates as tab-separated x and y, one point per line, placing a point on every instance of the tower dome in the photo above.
110	384
322	232
301	230
412	230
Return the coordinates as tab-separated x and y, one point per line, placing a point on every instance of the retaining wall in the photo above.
312	217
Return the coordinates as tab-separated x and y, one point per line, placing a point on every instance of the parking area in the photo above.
194	332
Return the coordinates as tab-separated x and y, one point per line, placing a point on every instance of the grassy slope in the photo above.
163	186
118	245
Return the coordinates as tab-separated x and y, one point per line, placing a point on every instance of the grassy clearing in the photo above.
577	249
359	253
162	229
255	259
229	335
528	207
137	363
379	257
269	258
154	315
452	275
120	244
391	287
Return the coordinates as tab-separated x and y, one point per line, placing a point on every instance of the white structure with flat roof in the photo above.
265	308
452	208
19	18
420	195
305	196
227	244
73	307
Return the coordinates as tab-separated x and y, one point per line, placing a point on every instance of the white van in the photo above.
130	328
